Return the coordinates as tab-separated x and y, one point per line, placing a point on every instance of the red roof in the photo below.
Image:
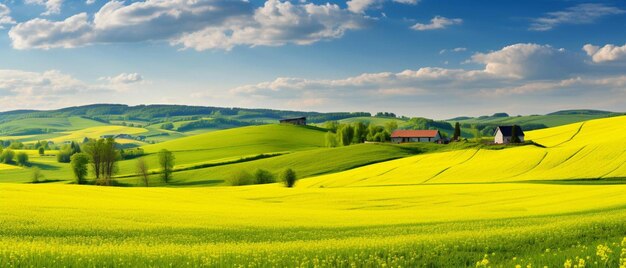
414	133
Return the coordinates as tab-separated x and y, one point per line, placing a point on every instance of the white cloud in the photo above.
519	75
52	6
123	79
607	53
44	34
200	25
90	2
457	49
580	14
531	61
25	89
360	6
436	23
5	16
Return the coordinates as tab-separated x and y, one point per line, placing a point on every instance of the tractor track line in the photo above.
573	136
446	169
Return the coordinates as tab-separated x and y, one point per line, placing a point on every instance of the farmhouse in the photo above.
400	136
504	134
300	121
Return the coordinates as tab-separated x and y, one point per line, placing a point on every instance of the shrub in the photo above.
289	177
42	151
64	155
37	176
262	176
22	159
7	156
167	126
242	178
79	163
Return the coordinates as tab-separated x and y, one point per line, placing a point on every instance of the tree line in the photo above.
358	132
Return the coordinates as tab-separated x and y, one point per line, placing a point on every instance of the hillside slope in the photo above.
590	150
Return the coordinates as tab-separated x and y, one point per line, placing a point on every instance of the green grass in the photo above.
46	124
307	163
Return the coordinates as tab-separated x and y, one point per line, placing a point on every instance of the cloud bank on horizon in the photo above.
406	56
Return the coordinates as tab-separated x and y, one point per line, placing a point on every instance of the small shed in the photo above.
299	121
504	134
402	136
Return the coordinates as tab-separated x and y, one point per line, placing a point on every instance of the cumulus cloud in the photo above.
530	61
90	2
44	34
579	14
607	53
360	6
52	6
5	16
516	74
200	25
21	89
123	79
436	23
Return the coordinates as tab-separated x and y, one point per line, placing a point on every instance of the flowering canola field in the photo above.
590	150
433	210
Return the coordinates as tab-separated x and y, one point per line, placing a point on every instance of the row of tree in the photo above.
101	156
357	132
261	176
8	156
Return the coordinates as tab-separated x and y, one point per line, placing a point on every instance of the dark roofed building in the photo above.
400	136
299	121
504	134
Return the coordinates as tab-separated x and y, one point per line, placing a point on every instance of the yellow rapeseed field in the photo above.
590	150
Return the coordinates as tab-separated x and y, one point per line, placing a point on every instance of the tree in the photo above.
142	170
457	132
79	164
7	156
104	157
345	135
391	126
289	177
262	176
166	160
22	159
42	151
360	132
37	176
167	126
242	178
477	134
515	135
331	139
332	126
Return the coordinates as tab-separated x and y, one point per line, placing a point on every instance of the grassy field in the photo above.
51	124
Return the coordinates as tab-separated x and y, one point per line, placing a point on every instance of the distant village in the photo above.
501	135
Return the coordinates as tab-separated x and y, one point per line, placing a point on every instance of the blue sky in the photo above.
428	58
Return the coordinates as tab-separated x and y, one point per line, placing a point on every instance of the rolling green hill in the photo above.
30	126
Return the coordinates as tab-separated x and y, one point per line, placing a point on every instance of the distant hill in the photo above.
31	125
486	124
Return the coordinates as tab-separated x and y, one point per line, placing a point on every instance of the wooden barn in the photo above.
299	121
402	136
504	134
